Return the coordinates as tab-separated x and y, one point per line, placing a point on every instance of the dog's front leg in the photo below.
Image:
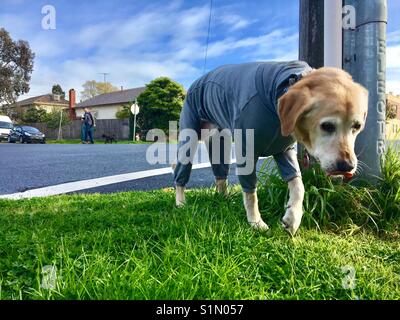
253	214
294	210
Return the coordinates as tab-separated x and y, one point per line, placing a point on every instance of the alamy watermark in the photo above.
348	17
49	20
218	143
349	279
49	277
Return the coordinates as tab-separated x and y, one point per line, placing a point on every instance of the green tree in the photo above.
105	87
124	112
34	115
391	112
93	88
53	118
16	65
160	103
58	90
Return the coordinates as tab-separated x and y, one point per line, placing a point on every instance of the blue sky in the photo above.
136	41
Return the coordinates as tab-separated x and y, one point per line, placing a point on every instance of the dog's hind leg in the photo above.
219	144
189	131
248	182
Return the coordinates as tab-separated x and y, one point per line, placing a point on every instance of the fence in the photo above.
112	127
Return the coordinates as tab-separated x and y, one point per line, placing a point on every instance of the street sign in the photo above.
135	109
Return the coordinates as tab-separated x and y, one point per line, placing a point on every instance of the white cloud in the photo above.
16	25
393	68
393	37
146	29
273	45
163	41
393	57
393	86
235	22
123	72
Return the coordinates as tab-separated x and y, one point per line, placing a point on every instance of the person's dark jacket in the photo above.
88	119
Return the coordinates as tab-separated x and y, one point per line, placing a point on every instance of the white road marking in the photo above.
93	183
97	182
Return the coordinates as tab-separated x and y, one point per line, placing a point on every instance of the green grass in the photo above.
138	245
77	141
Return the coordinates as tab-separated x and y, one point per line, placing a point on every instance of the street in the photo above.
33	166
26	167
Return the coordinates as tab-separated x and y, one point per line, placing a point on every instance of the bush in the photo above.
391	112
53	119
337	206
34	115
124	113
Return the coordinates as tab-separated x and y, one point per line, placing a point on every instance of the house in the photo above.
48	102
393	125
105	106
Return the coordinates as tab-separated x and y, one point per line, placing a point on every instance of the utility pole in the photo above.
364	57
311	35
359	47
60	126
311	45
105	74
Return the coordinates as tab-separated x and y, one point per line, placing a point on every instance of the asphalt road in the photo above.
25	167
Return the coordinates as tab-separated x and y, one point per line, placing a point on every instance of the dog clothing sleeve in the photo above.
288	164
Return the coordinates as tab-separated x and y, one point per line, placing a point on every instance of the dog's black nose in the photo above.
344	166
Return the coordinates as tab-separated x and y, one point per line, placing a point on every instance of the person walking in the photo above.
89	124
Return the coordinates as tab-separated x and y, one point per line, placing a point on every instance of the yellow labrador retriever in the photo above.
271	105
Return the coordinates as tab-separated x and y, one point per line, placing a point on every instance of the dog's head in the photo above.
325	111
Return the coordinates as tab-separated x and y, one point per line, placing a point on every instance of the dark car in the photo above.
26	134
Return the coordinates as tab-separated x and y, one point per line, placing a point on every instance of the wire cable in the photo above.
208	37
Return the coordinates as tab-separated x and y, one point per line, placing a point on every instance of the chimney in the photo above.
72	102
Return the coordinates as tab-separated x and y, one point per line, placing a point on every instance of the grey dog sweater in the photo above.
244	96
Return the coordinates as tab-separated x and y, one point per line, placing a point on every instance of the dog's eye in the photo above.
328	127
357	126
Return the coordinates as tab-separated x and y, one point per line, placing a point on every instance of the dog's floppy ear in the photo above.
291	106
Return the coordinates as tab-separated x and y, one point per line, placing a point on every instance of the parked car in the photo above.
26	134
5	127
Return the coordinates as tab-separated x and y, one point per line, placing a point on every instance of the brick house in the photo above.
393	125
48	102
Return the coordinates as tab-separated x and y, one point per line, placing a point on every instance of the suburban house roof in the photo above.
117	97
43	99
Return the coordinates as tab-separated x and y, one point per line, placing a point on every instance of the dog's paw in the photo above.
222	187
180	203
180	196
292	219
259	225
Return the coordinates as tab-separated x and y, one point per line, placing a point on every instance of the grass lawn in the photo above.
138	245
